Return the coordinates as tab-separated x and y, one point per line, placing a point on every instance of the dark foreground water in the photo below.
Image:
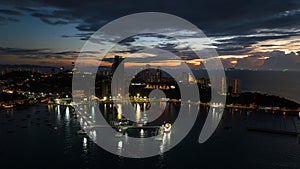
28	140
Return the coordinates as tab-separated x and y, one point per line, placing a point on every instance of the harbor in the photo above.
27	133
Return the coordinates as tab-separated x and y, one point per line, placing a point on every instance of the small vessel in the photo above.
167	127
119	134
81	132
6	106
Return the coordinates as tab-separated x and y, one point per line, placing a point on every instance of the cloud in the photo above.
236	27
7	19
82	36
214	16
275	60
26	9
37	53
56	17
10	12
56	22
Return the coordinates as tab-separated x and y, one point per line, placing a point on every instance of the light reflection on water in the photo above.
39	144
140	116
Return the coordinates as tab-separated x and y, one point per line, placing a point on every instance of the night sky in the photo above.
250	34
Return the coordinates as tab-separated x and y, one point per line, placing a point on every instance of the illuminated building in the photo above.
158	75
148	74
185	77
236	87
191	78
62	69
118	88
224	86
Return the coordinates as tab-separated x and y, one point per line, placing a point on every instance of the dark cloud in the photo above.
215	17
7	19
55	22
241	24
20	51
38	53
57	17
82	36
26	9
10	12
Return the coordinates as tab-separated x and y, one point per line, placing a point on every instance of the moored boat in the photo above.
6	106
81	133
167	127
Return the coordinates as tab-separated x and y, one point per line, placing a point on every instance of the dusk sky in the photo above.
247	34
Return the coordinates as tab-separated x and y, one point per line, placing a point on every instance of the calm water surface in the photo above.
28	140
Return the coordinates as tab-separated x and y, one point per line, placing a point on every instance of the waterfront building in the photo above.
185	77
148	74
236	87
224	86
158	75
118	87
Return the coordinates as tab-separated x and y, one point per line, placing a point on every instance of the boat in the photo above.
167	127
8	106
81	133
119	134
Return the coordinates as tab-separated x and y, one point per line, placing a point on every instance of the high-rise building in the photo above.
158	75
236	87
105	88
191	78
117	61
73	67
224	86
62	69
118	77
148	74
185	77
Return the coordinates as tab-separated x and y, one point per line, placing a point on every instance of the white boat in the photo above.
167	127
119	134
